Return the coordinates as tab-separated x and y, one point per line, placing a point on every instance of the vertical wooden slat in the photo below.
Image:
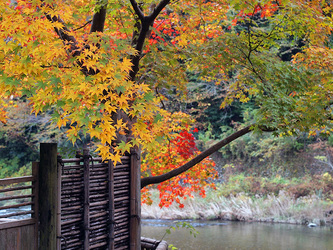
111	205
3	237
48	202
59	173
12	235
86	220
35	198
72	228
135	202
26	242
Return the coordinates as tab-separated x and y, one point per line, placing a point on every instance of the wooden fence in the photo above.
95	197
84	203
93	202
19	234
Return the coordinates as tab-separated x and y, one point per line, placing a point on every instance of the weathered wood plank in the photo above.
13	236
27	238
48	205
111	205
16	205
16	214
122	248
135	201
98	245
71	160
35	198
63	223
86	202
15	197
15	188
9	181
3	237
16	223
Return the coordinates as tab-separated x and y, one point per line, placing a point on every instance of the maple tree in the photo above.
105	68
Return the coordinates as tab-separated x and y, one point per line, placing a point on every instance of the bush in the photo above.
319	185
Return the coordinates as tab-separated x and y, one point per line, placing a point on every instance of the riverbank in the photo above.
281	208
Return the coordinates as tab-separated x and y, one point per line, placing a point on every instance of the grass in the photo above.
281	208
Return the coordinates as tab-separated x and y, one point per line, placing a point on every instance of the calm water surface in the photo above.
215	235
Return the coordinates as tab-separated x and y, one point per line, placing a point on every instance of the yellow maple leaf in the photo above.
116	157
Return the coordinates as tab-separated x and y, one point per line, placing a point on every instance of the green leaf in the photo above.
41	84
157	118
148	96
124	147
61	103
120	89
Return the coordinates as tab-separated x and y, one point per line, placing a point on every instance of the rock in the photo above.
328	213
312	225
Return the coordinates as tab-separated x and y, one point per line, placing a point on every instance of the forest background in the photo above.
294	173
255	164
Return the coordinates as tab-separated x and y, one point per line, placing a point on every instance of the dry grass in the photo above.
282	208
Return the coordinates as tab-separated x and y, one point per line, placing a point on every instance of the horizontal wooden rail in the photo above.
9	181
5	224
71	160
15	188
17	214
16	197
16	205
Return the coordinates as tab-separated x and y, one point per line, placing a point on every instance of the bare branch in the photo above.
146	22
84	25
158	179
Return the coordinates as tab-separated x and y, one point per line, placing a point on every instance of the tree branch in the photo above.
158	179
98	22
158	9
137	9
84	25
146	22
63	34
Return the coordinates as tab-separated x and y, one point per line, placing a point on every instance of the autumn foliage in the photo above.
168	155
106	69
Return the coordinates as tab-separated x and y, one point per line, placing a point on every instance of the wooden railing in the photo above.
16	193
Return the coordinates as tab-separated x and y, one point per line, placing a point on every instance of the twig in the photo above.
83	25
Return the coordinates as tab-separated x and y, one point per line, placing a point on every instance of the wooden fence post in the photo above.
111	204
86	208
35	198
135	202
49	174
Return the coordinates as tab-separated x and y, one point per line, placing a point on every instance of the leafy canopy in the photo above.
51	56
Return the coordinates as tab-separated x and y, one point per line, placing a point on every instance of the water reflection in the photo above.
16	210
214	235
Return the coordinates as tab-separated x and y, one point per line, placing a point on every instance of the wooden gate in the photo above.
95	204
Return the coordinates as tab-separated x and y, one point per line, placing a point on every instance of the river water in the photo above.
215	235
